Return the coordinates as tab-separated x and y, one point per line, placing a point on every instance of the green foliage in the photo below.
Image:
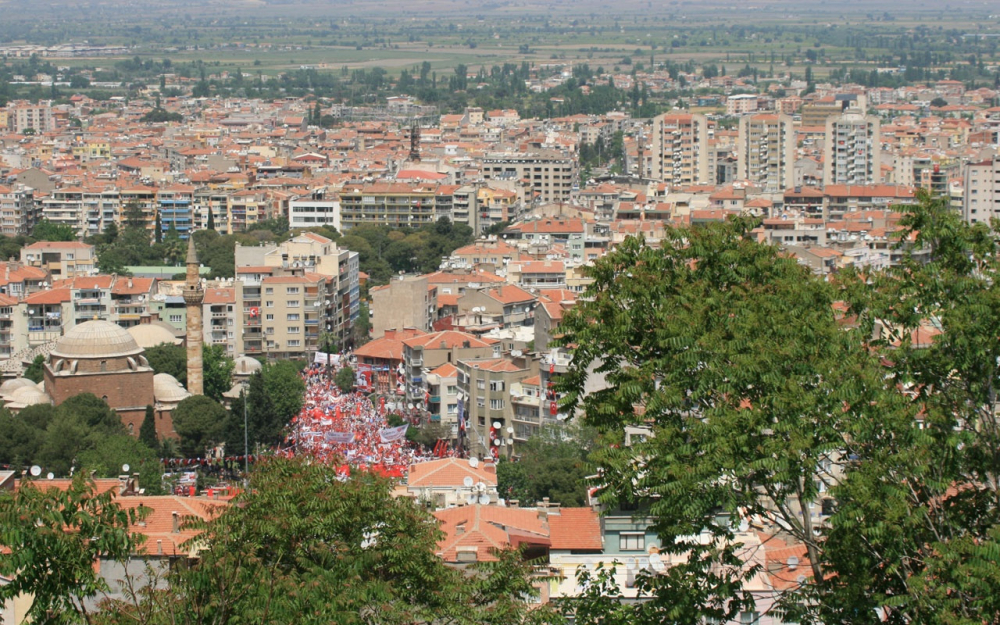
345	379
111	453
362	326
217	371
159	115
147	432
45	230
274	395
52	539
384	251
36	370
170	359
81	433
301	546
756	395
199	421
427	434
553	464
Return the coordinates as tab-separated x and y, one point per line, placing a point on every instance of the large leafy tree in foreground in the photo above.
301	546
762	403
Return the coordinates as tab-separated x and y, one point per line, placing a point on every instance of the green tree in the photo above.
170	359
45	230
111	454
312	550
199	422
731	354
552	464
36	370
362	326
52	539
217	376
345	379
147	432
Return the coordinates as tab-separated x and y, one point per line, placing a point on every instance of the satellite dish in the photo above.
35	470
471	499
473	462
50	476
125	468
793	563
510	429
744	526
480	487
467	482
510	441
497	425
484	499
656	562
496	442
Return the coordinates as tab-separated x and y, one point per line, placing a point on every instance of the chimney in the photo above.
159	547
177	522
459	529
543	515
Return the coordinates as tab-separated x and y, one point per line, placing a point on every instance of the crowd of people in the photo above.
349	429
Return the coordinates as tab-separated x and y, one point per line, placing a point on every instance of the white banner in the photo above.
389	435
341	438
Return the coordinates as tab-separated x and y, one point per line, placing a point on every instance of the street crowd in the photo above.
349	429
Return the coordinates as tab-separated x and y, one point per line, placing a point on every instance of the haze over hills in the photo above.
139	10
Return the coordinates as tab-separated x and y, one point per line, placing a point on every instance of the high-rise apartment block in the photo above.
680	149
767	152
851	152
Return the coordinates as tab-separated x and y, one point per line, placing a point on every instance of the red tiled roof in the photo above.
575	528
448	472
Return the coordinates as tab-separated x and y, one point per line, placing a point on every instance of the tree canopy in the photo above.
764	404
199	421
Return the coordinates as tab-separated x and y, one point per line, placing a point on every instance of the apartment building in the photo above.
442	395
766	153
484	387
852	150
119	299
392	204
17	210
311	254
406	302
680	151
321	207
982	191
550	175
61	259
741	104
220	317
427	352
175	206
25	117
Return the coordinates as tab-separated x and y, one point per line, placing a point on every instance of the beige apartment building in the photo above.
852	150
680	149
406	302
982	191
17	210
484	387
425	353
766	152
549	174
61	259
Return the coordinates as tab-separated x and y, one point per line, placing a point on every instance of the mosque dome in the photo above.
148	335
167	390
245	365
96	339
8	387
28	396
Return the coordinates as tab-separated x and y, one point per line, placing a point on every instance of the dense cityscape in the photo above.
542	315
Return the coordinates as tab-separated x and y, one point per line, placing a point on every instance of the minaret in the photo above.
193	296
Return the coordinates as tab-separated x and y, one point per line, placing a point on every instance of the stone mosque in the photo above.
102	358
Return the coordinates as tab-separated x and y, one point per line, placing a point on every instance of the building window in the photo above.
749	618
294	342
293	303
496	404
269	304
631	542
292	317
269	317
452	390
292	290
481	384
269	291
294	329
176	318
497	385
